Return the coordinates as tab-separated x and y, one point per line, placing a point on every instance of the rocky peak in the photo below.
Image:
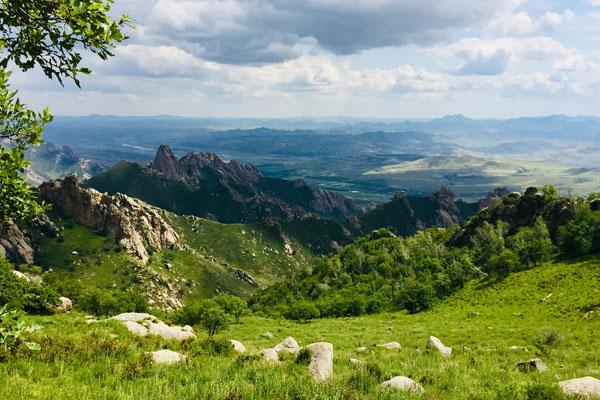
137	226
166	162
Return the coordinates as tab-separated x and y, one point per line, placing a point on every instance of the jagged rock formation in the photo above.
519	210
405	215
14	244
204	185
137	226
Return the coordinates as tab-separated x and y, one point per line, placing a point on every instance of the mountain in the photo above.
204	185
51	162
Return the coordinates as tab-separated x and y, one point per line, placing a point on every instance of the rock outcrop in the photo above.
14	244
137	226
142	324
321	363
587	387
535	364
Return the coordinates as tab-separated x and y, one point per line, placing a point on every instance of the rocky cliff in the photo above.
14	244
137	226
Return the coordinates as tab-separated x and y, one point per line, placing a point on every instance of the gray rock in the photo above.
356	361
135	317
238	346
390	345
267	335
321	363
169	332
167	357
65	304
288	345
135	328
270	356
402	383
436	344
588	387
361	349
535	364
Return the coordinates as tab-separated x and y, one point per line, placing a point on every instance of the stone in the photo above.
135	317
321	363
356	361
515	348
267	335
361	349
390	345
135	328
15	245
169	332
270	356
167	357
65	304
587	387
436	344
288	345
531	365
402	383
238	346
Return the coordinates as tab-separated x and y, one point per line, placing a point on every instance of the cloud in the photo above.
521	23
486	64
271	31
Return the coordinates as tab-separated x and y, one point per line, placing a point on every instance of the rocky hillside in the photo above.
204	185
138	227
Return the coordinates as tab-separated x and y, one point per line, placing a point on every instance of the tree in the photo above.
416	296
232	305
488	241
50	35
500	265
533	245
214	320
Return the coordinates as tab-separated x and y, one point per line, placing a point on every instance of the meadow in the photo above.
480	322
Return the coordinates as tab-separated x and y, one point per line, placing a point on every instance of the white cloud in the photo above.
520	23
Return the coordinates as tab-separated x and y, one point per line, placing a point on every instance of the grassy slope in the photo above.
97	262
487	319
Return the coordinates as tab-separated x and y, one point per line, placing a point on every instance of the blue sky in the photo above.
365	58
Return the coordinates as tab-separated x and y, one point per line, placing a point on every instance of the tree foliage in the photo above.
50	35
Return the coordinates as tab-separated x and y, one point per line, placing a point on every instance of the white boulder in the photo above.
169	332
270	356
238	346
135	317
588	387
402	383
167	357
436	344
390	345
267	335
321	363
288	345
135	328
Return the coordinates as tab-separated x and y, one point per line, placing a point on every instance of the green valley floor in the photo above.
480	322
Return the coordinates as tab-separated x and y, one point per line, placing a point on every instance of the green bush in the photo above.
12	333
102	303
206	313
210	347
232	305
416	296
302	311
23	295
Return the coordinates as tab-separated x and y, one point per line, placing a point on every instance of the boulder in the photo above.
402	383
436	344
390	345
267	335
135	328
270	356
238	346
321	363
65	304
356	361
531	365
288	345
135	317
169	332
587	387
361	349
167	357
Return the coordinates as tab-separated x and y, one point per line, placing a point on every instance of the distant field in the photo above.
81	361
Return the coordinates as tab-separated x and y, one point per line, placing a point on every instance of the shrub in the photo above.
206	313
533	245
547	341
302	311
500	265
12	333
211	346
416	296
102	303
581	235
23	295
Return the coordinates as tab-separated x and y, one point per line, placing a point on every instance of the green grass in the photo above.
81	361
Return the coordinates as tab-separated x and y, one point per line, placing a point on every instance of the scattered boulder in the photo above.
288	345
65	304
390	345
135	317
531	365
402	383
267	335
167	357
135	328
436	344
169	332
356	361
270	356
585	387
238	346
321	363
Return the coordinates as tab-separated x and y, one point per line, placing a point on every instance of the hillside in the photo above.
480	323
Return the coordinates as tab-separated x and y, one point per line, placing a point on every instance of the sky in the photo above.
358	58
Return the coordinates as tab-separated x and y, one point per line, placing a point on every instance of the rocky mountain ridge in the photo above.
138	227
